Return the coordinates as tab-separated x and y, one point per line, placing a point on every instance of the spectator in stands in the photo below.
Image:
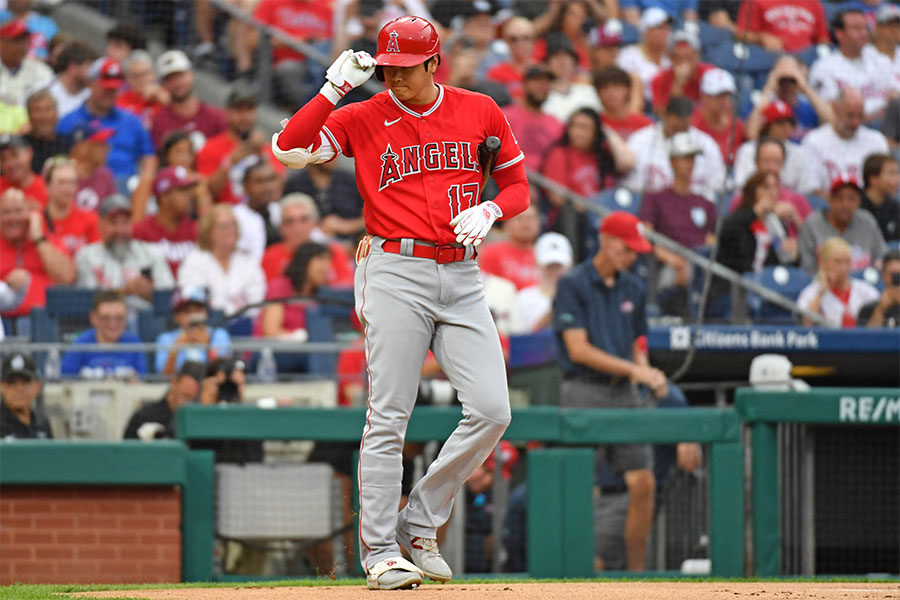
569	90
683	77
16	173
299	220
19	75
882	181
778	124
587	159
337	198
536	130
600	324
885	312
177	150
553	255
130	148
715	114
361	34
841	148
43	29
258	216
833	293
634	10
518	34
309	22
20	387
71	87
791	207
71	225
226	156
122	40
118	262
144	96
719	13
648	57
681	215
42	136
109	317
462	62
234	279
617	91
24	245
886	37
843	219
513	258
90	147
193	340
850	67
891	125
12	291
606	42
753	237
567	20
787	82
185	111
304	275
157	420
782	25
171	230
653	171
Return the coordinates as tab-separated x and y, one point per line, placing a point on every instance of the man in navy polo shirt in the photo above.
599	317
130	148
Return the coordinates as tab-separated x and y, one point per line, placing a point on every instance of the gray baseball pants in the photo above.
407	306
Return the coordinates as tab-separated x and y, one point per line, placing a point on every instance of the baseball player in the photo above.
417	285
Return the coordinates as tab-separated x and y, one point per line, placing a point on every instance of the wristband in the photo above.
41	239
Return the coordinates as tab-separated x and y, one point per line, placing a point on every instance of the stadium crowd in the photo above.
766	131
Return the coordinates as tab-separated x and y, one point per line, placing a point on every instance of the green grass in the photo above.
51	592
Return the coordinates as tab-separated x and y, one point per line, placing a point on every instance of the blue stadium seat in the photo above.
894	245
619	199
69	309
630	34
787	281
870	275
341	304
753	59
532	349
712	36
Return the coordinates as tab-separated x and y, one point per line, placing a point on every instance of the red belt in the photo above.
440	254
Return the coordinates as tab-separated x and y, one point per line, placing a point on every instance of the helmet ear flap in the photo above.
379	73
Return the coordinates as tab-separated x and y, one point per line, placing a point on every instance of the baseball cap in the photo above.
683	36
243	92
777	110
772	372
539	71
510	456
844	180
93	131
13	29
8	140
108	73
887	12
114	204
170	178
172	61
608	34
553	248
682	144
680	107
627	228
190	295
18	363
653	17
717	81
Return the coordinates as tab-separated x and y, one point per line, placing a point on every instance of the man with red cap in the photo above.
600	320
778	123
19	75
171	230
417	285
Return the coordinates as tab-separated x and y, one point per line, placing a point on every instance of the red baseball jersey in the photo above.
419	170
78	228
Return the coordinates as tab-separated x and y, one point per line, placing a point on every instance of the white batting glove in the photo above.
350	69
472	224
295	158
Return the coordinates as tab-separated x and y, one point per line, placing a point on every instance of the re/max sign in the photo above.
869	409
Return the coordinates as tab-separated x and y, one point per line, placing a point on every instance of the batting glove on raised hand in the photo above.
472	224
350	69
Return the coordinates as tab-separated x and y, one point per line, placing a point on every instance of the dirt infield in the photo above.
536	591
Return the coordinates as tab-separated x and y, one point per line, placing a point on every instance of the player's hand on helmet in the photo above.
473	224
350	69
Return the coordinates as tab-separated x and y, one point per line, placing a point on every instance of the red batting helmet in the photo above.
406	42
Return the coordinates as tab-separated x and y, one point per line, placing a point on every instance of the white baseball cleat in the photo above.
425	554
394	573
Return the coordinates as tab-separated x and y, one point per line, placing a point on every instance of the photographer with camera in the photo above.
885	312
191	311
156	421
